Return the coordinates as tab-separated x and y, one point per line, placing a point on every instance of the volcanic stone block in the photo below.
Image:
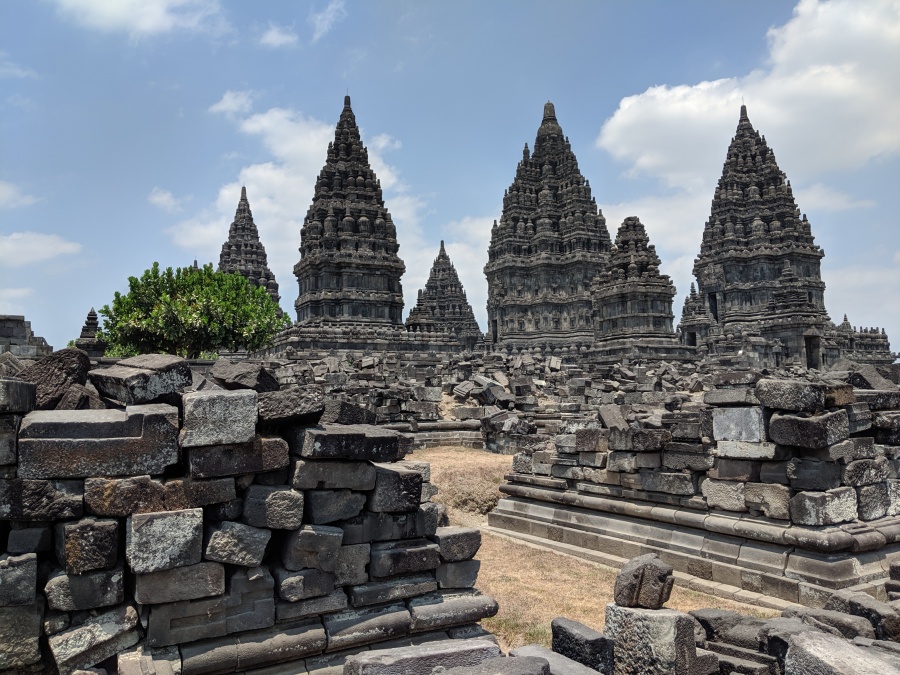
161	541
96	639
720	494
250	601
883	617
302	404
141	379
457	574
18	579
16	396
824	508
73	592
54	374
673	483
748	451
423	658
346	413
218	417
313	546
356	627
582	644
811	474
502	665
814	431
848	625
313	474
873	501
376	592
20	633
650	641
303	584
87	544
734	469
328	506
645	581
354	442
258	456
369	526
9	428
396	490
772	499
243	375
290	611
793	395
40	500
236	543
352	561
82	443
391	558
124	496
557	663
457	543
815	653
443	609
279	508
739	424
180	583
29	540
866	472
849	450
186	620
639	440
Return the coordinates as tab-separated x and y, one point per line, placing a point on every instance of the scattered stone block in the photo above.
421	658
87	544
17	396
313	546
54	374
85	443
356	442
312	474
650	641
18	579
883	617
260	455
243	375
186	621
142	379
814	431
75	592
346	413
791	395
161	541
20	633
750	451
390	558
303	404
645	581
873	501
501	665
277	508
557	662
461	574
218	417
328	506
739	424
824	508
290	611
250	600
357	627
352	561
180	583
302	584
235	543
820	654
443	609
95	640
862	472
846	624
124	496
457	543
397	490
582	644
377	592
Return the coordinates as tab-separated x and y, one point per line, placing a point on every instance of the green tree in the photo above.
188	311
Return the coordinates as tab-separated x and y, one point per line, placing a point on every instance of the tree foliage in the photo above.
188	311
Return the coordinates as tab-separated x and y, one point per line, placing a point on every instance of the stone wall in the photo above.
216	529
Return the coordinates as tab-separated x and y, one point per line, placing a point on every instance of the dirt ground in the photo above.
532	584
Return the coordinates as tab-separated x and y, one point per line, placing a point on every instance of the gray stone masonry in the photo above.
217	417
95	640
263	453
18	579
273	507
421	658
87	544
142	379
582	644
161	541
180	583
74	592
235	543
16	396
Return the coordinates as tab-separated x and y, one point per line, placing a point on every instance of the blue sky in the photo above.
128	126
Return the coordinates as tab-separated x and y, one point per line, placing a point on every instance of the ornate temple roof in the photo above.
442	304
243	253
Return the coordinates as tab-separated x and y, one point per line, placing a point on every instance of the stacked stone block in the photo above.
215	533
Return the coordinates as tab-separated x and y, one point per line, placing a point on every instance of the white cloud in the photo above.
11	196
166	201
384	143
859	292
233	103
824	198
10	300
141	18
10	69
897	257
324	21
277	37
24	248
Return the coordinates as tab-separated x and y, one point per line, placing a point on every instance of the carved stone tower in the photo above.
758	268
549	245
442	305
632	300
243	253
349	272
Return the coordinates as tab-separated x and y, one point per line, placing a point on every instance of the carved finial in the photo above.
549	111
347	101
243	193
744	113
442	248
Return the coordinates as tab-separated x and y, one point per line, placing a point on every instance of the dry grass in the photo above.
532	584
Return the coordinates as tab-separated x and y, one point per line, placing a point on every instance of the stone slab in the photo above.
218	417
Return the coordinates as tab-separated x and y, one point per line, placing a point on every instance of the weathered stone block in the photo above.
141	379
87	544
457	543
461	574
257	456
278	508
40	500
582	644
443	654
814	431
369	526
396	490
377	592
739	424
824	508
29	540
186	621
811	474
180	583
352	442
355	627
96	639
74	592
313	546
290	611
328	506
391	558
250	600
218	417
20	633
9	429
650	641
293	586
124	496
745	450
346	413
772	499
16	396
161	541
645	581
235	543
312	474
557	663
54	374
83	443
443	609
673	483
352	561
293	405
18	579
735	470
883	617
873	501
728	495
792	395
866	472
243	375
821	654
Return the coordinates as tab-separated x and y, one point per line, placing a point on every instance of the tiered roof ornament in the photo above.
244	254
550	243
349	271
88	341
442	305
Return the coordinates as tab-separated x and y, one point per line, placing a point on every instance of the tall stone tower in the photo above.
549	245
349	272
442	305
243	253
758	268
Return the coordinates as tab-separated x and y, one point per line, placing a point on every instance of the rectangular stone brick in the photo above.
180	583
747	450
250	601
353	442
16	396
313	546
186	621
161	541
141	379
74	592
20	634
278	508
397	490
40	500
814	431
294	586
9	429
96	639
392	558
235	543
355	627
87	544
443	609
289	611
257	456
739	424
377	592
313	474
218	417
18	579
